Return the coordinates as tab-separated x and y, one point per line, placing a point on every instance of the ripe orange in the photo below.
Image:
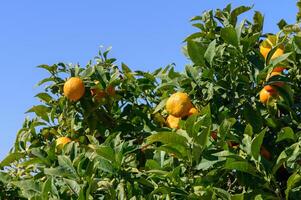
74	88
275	74
279	69
264	95
192	111
264	51
178	104
265	153
269	88
62	141
172	121
266	46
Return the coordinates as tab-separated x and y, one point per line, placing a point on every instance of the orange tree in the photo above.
102	134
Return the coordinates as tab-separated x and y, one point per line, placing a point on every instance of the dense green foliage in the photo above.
122	149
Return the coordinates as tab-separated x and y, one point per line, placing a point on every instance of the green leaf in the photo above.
253	117
281	24
286	133
127	71
291	183
210	52
177	150
248	130
160	105
73	185
51	69
40	111
152	164
225	127
256	144
229	35
105	166
222	193
44	97
88	72
106	152
236	12
192	72
167	138
237	196
46	188
196	52
28	185
279	59
243	166
65	168
10	158
190	127
297	44
292	150
206	123
258	21
45	80
4	177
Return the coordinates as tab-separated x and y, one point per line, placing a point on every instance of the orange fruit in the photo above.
279	69
264	95
266	46
74	89
172	121
275	74
269	88
178	104
192	111
62	141
264	51
111	90
265	153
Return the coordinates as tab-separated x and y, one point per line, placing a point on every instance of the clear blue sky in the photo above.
144	34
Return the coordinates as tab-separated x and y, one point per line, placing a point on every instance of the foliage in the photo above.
121	147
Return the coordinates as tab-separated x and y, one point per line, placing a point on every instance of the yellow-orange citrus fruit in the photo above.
267	45
111	90
279	69
265	50
275	74
74	89
62	141
265	153
178	104
172	121
192	111
277	53
269	88
265	95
